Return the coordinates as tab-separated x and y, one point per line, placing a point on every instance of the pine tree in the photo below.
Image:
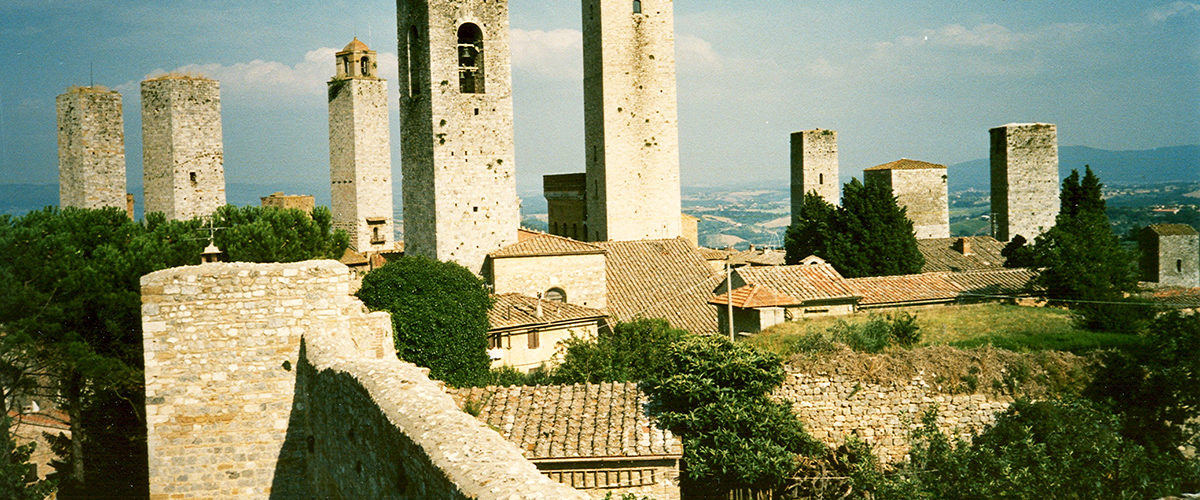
813	230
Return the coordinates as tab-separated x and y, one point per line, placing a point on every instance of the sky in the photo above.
917	79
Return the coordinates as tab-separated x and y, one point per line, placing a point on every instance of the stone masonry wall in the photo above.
182	150
1024	179
91	148
582	277
360	161
271	381
814	167
1178	261
631	130
460	195
923	193
833	408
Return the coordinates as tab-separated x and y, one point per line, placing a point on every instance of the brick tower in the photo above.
814	167
91	148
630	125
360	162
456	117
919	187
1024	158
182	153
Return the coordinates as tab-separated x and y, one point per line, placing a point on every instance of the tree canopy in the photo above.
630	351
268	234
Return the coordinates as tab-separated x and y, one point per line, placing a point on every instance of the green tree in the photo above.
269	234
1018	253
16	482
630	351
813	231
439	315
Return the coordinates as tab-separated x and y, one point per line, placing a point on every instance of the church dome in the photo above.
355	46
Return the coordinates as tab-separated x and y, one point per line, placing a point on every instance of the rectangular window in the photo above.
533	339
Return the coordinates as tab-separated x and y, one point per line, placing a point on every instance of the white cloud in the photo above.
1164	12
988	36
556	54
696	54
825	69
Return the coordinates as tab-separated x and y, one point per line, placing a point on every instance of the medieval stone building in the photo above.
360	157
919	187
456	109
1024	168
814	167
1170	255
566	204
91	148
182	150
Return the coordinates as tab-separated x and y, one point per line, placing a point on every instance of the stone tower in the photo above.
814	167
182	153
91	148
456	118
1024	158
920	188
630	126
360	162
1170	255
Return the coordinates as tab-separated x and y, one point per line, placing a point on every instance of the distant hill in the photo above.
16	199
1147	166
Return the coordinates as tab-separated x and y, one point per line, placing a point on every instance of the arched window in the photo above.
413	87
365	65
470	59
637	6
346	66
556	295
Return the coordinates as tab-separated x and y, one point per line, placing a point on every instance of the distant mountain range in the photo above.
1147	166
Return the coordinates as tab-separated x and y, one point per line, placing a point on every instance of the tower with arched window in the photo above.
456	118
360	158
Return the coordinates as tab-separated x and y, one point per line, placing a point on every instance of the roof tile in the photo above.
666	279
532	244
513	309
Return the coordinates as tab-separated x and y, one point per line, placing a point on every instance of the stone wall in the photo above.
630	120
360	162
182	150
814	167
271	381
566	204
1170	260
91	148
1024	179
582	277
834	407
923	194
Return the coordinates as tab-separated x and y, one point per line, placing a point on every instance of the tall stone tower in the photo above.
91	148
456	118
919	187
630	124
360	162
814	167
182	153
1024	158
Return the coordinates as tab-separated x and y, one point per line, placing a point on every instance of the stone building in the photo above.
277	199
456	117
1024	172
544	264
360	155
1170	255
814	167
524	332
182	150
91	148
630	120
919	187
566	204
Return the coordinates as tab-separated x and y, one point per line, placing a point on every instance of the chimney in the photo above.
539	304
963	245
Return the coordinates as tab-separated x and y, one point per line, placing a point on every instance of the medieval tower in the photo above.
814	167
919	187
630	126
360	162
456	117
91	148
1024	158
182	153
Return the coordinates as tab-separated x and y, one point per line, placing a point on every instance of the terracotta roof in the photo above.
905	164
355	46
53	419
665	279
352	258
1177	297
513	310
767	258
713	254
1172	229
805	283
525	233
535	244
573	421
752	296
936	287
945	254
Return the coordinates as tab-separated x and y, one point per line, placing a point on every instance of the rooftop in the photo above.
535	244
515	310
754	296
803	282
355	46
939	286
905	164
666	279
1172	229
946	254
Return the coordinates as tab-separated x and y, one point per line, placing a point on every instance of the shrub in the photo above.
630	351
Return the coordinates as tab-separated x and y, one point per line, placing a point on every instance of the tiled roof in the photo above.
945	254
939	286
666	279
805	283
752	296
352	258
1176	297
713	254
766	258
514	309
533	244
573	421
54	419
355	46
905	164
1172	229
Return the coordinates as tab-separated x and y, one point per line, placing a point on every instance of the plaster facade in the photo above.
91	148
920	188
360	155
460	198
1024	178
182	151
582	277
630	120
814	167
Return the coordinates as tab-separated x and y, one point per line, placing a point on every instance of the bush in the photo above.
873	335
630	351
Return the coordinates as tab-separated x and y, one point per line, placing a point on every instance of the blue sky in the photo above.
922	80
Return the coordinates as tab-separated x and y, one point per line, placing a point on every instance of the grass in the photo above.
1015	328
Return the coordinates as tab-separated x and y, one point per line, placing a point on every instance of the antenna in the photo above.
91	74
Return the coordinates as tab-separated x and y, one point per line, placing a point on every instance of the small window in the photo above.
365	66
346	66
1179	265
192	175
637	6
494	342
556	295
533	339
470	59
821	179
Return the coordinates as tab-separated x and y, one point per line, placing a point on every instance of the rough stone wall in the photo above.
1024	173
657	479
814	167
630	120
304	202
923	193
582	277
460	197
1173	260
271	381
91	148
834	407
566	204
360	161
182	150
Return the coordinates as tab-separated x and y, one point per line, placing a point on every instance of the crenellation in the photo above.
91	148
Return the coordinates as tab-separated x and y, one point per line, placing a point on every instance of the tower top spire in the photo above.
356	61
